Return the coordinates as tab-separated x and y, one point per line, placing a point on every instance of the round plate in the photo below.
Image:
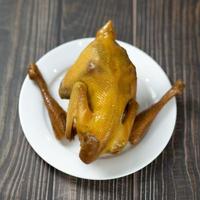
64	155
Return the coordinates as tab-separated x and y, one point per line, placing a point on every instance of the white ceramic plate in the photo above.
63	155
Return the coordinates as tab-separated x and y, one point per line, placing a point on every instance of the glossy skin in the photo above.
102	90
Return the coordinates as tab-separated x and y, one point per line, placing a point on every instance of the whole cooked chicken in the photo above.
101	86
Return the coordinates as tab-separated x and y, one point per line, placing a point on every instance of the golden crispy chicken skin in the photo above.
101	86
102	110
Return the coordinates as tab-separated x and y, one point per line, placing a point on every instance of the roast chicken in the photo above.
101	87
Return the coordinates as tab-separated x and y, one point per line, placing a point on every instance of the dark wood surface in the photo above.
168	30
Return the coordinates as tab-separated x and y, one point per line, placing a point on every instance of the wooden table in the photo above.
168	30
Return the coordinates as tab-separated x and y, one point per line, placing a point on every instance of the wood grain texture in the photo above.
168	30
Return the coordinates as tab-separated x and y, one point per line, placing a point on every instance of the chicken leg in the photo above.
56	113
145	118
